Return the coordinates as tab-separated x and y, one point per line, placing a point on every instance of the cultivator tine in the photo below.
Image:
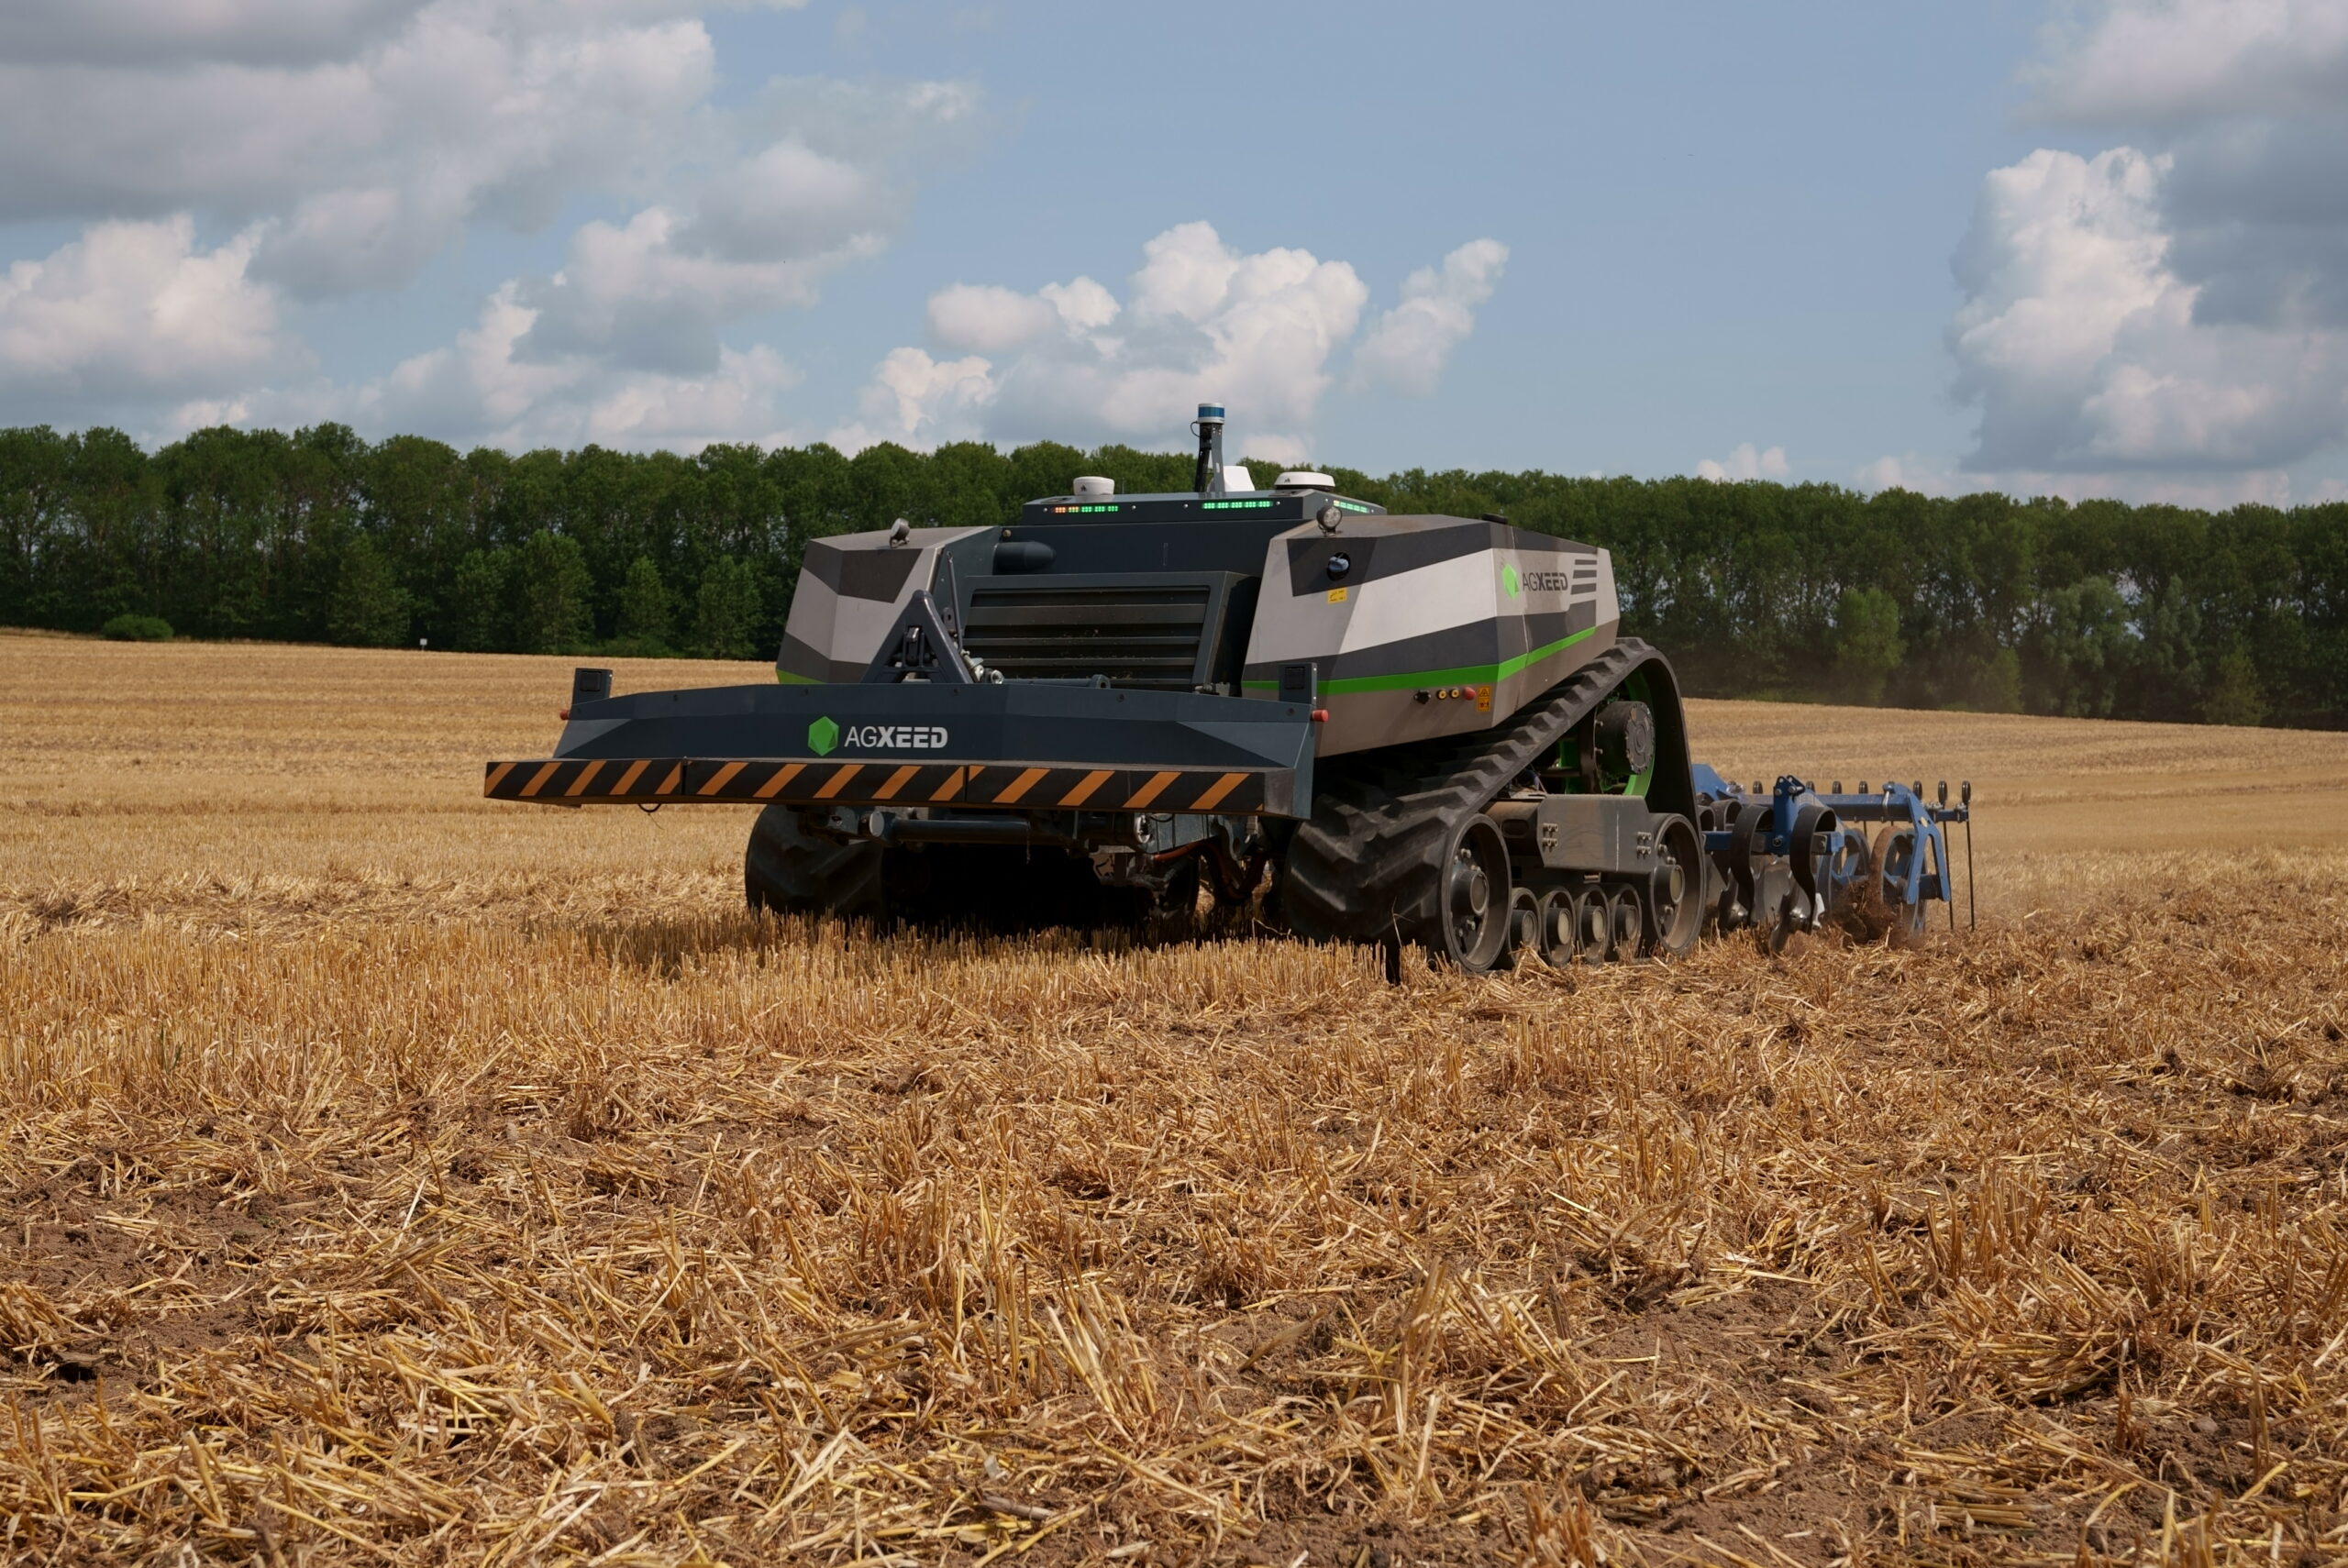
1808	844
1972	901
1788	860
1782	928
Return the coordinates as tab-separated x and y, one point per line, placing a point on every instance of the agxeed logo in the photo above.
824	736
894	738
1548	581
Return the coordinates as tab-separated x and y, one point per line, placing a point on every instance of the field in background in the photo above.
398	1177
140	776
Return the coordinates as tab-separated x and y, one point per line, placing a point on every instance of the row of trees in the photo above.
1799	591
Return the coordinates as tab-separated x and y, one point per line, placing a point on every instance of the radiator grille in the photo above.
1136	634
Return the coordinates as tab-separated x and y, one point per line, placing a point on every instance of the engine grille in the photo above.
1138	633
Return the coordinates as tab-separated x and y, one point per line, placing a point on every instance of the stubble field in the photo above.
391	1176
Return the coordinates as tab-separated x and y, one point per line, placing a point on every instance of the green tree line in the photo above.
1797	591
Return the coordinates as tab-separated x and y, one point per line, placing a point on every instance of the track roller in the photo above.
1626	922
1593	927
1524	926
1555	936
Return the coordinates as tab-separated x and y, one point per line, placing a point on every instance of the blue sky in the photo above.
1722	226
1993	243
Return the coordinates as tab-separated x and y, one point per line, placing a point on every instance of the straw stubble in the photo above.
465	1198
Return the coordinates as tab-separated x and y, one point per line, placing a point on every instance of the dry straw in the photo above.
456	1201
646	1241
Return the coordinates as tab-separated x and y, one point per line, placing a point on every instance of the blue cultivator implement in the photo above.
1790	858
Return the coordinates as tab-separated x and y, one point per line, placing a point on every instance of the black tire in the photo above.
794	872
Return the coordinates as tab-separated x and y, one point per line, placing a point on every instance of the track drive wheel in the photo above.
1626	920
1675	901
1558	936
794	872
1472	898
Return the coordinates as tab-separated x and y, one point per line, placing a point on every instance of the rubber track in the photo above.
1363	867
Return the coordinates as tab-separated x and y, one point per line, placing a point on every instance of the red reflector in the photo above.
563	714
1319	715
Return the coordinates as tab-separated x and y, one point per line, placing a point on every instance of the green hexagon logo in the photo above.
822	736
1509	580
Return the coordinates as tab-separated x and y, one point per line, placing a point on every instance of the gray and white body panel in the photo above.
852	590
1426	626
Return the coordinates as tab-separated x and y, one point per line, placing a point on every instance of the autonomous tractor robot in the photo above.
1403	730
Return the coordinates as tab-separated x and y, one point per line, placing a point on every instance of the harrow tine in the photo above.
1948	876
1781	930
1972	900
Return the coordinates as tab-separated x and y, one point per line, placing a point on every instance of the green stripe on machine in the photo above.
1466	675
789	678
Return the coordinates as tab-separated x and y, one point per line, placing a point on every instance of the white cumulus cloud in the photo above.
1747	462
1411	343
133	310
989	320
1924	475
346	143
2176	306
2085	348
640	296
363	151
2133	61
261	32
1200	321
919	402
481	388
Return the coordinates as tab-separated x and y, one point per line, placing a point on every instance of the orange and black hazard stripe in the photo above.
690	780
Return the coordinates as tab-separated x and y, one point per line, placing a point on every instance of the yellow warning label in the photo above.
1483	699
1337	596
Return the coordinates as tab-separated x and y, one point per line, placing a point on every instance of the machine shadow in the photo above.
670	946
